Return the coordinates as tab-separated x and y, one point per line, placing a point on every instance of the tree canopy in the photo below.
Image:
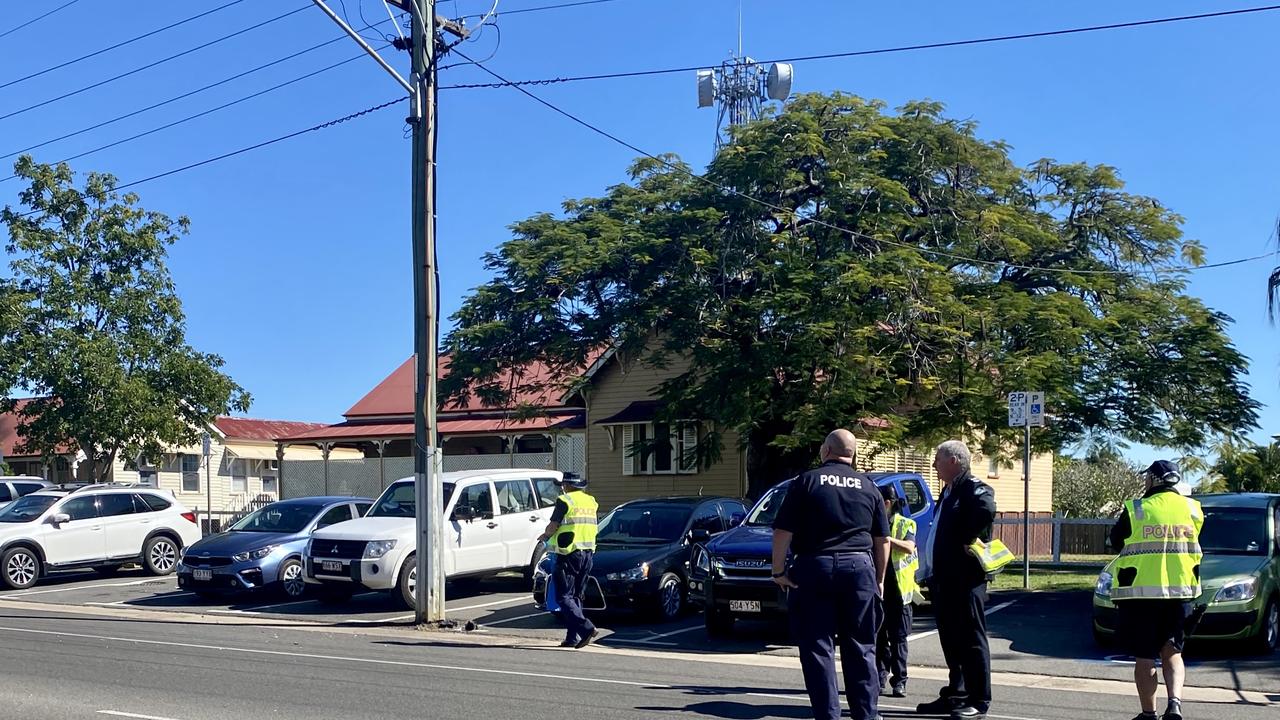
91	324
1094	486
1246	467
838	262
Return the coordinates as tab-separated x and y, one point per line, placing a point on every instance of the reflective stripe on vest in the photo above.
579	524
905	565
1162	550
993	556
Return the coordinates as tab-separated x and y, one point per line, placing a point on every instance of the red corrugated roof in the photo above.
447	426
10	439
262	430
393	397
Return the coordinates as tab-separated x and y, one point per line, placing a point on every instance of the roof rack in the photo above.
77	487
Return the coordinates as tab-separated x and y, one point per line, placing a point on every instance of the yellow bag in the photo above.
993	555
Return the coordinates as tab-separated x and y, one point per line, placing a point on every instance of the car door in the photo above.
521	519
6	494
334	515
80	539
124	528
477	530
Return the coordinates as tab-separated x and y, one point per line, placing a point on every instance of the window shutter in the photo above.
687	449
628	458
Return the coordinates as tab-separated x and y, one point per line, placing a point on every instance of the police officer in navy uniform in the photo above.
833	521
958	585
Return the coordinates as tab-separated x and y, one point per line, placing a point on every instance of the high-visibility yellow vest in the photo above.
992	555
579	523
905	564
1163	548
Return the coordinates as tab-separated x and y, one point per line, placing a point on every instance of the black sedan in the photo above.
643	549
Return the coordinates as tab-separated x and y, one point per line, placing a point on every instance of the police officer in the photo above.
834	522
1157	576
958	585
900	591
572	536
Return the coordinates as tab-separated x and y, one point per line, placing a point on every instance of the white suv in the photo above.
96	526
13	487
495	519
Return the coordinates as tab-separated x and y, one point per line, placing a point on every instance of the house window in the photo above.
659	449
993	467
147	478
239	476
190	473
270	483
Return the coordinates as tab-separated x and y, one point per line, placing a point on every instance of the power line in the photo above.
96	53
64	6
150	65
250	148
210	111
544	7
823	223
176	98
882	51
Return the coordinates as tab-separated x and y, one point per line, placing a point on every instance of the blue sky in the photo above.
297	267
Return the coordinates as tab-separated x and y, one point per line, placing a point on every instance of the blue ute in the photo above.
730	575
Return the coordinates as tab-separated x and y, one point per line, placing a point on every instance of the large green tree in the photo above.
1246	467
1094	486
838	262
91	324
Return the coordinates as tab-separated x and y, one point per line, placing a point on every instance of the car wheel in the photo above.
407	584
21	568
291	584
333	594
719	624
160	555
107	570
1101	639
670	600
1268	639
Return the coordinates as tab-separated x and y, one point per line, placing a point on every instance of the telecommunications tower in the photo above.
740	87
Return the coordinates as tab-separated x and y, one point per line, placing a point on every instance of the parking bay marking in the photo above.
79	587
400	663
117	713
934	631
508	601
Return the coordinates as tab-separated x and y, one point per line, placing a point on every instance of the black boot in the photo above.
1174	710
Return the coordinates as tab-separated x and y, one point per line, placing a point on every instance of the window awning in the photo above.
641	411
252	452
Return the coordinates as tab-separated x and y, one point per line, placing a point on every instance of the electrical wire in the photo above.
347	19
176	98
96	53
210	111
392	15
545	7
885	51
852	233
150	65
250	148
34	20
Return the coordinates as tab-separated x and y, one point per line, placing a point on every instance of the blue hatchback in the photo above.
263	550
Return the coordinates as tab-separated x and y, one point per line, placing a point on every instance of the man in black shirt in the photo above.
834	522
958	585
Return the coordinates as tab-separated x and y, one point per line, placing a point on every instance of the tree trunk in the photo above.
768	465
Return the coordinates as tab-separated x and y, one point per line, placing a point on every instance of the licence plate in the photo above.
744	606
331	566
199	574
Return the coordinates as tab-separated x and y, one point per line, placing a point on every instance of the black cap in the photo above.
888	492
1163	471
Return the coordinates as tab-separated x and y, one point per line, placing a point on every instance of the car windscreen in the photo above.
767	509
399	501
646	524
1234	531
277	518
28	508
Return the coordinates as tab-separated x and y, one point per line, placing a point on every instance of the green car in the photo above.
1240	573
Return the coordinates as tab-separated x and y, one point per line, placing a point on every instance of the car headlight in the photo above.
1239	590
1103	588
377	548
635	574
703	561
254	554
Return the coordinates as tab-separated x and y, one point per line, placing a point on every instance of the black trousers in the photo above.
837	598
891	645
962	631
570	585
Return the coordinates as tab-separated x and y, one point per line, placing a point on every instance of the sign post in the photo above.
205	447
1026	409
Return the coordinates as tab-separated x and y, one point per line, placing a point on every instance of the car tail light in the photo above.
190	516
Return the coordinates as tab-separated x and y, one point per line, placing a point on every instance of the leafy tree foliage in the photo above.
838	262
1095	486
1242	467
90	323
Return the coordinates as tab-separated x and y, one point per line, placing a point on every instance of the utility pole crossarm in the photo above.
361	42
456	29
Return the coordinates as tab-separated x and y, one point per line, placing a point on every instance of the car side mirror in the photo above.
699	535
60	518
737	519
464	513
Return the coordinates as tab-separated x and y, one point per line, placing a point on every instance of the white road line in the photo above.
79	587
508	601
990	612
280	605
628	641
230	611
511	620
117	713
398	618
659	636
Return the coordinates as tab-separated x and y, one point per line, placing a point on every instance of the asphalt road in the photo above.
132	664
